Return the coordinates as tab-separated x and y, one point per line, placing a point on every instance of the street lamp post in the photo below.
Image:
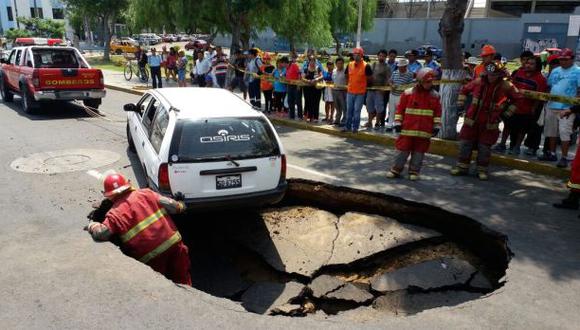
358	31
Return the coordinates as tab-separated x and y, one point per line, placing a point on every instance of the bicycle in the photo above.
133	68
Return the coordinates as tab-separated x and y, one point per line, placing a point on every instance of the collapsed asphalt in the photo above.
298	260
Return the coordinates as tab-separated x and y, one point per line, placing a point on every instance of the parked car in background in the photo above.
119	47
149	39
196	44
169	38
437	52
217	151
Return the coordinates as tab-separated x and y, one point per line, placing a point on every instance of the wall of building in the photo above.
21	8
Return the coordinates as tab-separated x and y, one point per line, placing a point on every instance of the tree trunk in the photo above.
106	39
337	43
450	30
236	35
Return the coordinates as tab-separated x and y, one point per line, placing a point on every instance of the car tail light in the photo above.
35	78
283	170
163	178
101	78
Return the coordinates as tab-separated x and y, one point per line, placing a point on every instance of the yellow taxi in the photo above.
123	46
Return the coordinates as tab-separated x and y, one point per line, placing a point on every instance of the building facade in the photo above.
11	9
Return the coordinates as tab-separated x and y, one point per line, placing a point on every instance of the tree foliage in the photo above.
40	27
315	22
303	21
343	17
106	11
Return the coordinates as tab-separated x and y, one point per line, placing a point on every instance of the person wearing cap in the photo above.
492	98
487	56
154	61
431	63
252	79
358	73
413	65
418	119
563	81
470	65
139	219
399	81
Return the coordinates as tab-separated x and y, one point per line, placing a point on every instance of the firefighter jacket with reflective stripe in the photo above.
142	225
418	112
490	101
357	77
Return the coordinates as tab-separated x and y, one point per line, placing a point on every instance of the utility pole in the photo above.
358	31
16	15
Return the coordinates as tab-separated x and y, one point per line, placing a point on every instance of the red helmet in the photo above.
487	50
359	51
566	53
115	184
425	74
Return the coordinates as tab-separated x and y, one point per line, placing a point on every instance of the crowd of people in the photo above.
294	87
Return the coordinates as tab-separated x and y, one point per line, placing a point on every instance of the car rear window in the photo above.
55	58
223	139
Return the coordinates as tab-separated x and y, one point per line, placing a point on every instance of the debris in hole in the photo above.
354	228
351	292
325	284
264	298
479	281
287	259
426	275
403	303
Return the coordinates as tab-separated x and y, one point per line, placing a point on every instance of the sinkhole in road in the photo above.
326	250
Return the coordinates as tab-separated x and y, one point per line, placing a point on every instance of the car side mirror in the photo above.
130	107
3	61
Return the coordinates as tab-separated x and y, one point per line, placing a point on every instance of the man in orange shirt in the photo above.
358	72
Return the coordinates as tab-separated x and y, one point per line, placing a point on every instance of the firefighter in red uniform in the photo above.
140	220
418	118
572	202
491	101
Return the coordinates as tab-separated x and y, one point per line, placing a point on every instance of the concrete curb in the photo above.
438	146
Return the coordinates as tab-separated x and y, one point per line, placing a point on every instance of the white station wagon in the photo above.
207	146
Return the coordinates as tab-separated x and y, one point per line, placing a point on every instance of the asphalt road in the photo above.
52	275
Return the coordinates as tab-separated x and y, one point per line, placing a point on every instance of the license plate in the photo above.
228	181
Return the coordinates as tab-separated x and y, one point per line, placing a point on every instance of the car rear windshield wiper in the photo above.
228	157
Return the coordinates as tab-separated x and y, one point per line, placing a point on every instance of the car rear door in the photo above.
153	142
224	156
139	133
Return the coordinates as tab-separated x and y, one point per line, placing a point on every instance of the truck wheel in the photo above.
130	140
7	95
92	103
29	105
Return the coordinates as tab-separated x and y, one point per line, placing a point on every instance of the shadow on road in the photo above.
50	110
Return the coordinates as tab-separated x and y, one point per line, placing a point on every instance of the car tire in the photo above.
7	95
130	140
92	103
29	105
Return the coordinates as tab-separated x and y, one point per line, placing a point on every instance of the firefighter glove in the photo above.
435	131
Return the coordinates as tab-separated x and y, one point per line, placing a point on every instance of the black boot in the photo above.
571	202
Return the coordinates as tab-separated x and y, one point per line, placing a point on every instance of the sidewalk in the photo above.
116	81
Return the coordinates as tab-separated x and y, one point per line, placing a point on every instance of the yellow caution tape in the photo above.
545	97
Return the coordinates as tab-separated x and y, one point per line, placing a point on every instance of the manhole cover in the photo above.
62	161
